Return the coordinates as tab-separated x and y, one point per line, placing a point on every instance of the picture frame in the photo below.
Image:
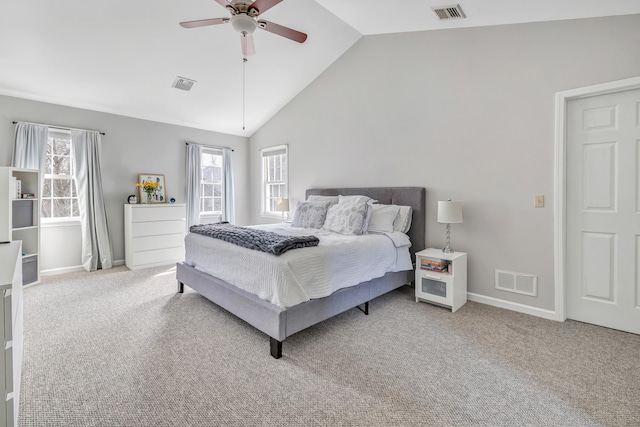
159	195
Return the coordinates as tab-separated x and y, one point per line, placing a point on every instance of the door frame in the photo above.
560	180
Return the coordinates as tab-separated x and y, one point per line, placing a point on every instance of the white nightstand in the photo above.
446	287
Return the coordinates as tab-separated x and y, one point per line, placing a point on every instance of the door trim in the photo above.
560	180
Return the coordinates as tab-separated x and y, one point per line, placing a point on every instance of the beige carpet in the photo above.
121	348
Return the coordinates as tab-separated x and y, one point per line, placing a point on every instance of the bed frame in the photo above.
280	323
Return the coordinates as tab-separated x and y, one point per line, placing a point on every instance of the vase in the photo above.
149	198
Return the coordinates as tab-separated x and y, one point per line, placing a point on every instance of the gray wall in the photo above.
466	113
130	146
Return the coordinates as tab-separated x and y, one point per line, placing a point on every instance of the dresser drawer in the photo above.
159	256
149	243
158	213
8	368
8	410
157	228
7	301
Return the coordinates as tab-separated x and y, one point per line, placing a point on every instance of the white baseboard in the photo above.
514	306
63	270
73	269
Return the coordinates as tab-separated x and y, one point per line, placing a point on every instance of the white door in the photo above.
603	210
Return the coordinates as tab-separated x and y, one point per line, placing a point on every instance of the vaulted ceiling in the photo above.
122	57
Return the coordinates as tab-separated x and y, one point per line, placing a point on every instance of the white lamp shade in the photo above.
449	212
282	205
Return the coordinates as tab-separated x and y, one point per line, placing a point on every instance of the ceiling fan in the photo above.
244	19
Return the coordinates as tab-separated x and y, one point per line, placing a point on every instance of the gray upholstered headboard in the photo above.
405	196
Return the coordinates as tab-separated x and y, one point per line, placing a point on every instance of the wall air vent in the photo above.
520	283
183	83
453	11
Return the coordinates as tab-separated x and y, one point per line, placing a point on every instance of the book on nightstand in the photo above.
435	264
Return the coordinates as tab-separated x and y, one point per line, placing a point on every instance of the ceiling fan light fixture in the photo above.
243	23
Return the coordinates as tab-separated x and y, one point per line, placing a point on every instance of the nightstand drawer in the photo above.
433	287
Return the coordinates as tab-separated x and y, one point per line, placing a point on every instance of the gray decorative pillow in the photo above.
347	218
310	214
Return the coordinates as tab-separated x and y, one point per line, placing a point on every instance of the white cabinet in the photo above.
20	217
154	234
441	278
11	331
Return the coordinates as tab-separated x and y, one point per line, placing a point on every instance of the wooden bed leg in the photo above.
276	348
180	287
365	310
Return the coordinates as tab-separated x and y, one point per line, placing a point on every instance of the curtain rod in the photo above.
210	146
60	127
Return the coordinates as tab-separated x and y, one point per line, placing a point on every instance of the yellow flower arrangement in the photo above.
148	187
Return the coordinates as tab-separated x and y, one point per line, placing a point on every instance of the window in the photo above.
275	174
211	186
59	195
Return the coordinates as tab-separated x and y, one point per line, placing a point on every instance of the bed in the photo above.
280	322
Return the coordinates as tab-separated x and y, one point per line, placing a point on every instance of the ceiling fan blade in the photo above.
262	6
248	48
227	4
204	22
280	30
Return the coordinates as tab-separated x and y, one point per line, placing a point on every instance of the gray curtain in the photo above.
192	182
30	147
229	213
96	248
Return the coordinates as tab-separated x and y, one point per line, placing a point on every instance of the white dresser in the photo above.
11	330
154	234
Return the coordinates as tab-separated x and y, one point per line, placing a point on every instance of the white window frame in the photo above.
59	134
209	216
265	153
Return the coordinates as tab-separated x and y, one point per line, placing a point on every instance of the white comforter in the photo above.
299	275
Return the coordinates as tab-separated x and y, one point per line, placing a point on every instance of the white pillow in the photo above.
382	218
402	222
346	218
318	198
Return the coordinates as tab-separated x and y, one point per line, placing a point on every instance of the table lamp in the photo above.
449	212
282	205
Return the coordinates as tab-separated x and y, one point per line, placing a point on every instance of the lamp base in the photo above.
447	249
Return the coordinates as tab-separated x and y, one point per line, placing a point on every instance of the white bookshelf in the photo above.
20	218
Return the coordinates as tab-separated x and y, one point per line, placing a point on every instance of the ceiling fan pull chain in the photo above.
244	61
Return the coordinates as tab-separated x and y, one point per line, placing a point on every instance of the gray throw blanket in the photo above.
251	238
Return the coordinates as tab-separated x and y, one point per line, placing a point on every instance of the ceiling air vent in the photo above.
183	83
453	11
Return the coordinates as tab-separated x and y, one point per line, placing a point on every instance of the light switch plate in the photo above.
538	200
